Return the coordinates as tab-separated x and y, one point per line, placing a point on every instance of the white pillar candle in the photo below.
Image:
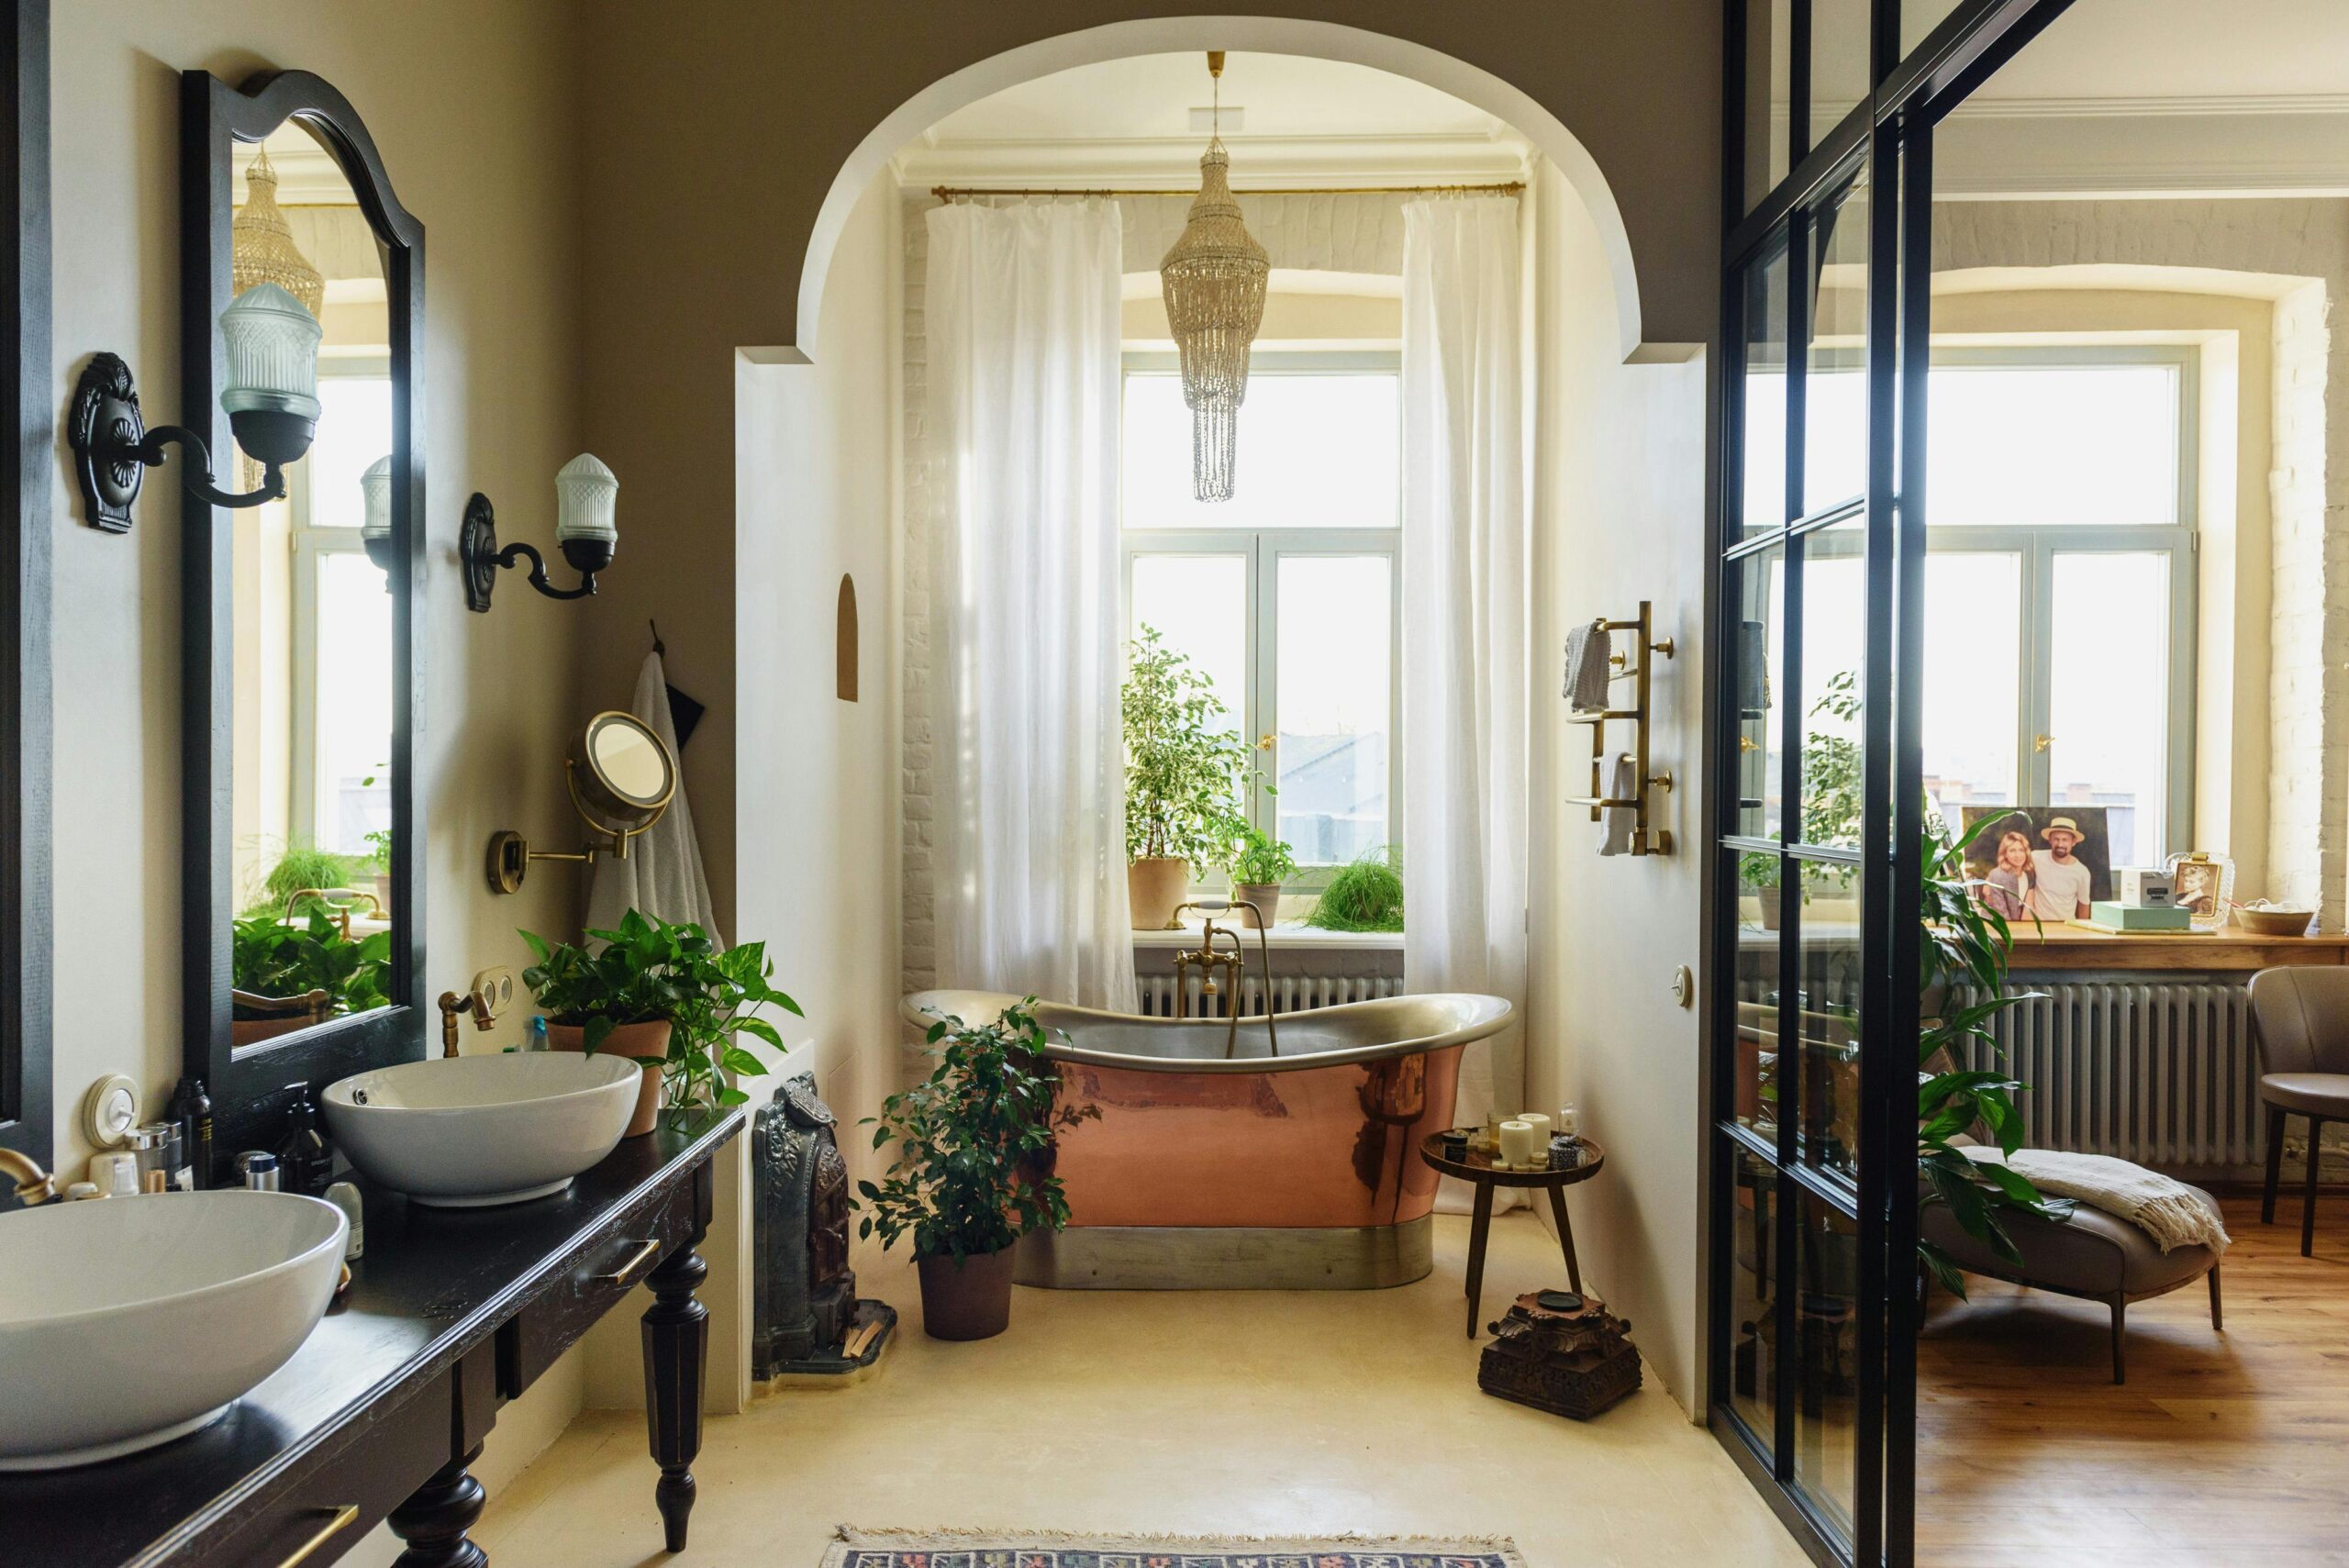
1538	1123
1519	1146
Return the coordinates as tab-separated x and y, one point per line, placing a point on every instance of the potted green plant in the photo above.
1759	870
1366	895
1184	770
665	996
379	867
1259	867
287	975
972	1170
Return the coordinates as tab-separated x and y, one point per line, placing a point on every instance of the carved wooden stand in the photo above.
1562	1352
676	1345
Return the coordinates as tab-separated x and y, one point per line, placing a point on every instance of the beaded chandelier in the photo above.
1214	283
261	243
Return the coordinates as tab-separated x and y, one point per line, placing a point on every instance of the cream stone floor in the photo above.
1170	1413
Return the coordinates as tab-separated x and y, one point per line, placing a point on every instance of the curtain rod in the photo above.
1508	188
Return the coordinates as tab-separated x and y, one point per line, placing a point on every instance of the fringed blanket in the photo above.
2170	1212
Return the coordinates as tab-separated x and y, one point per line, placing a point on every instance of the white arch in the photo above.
1264	35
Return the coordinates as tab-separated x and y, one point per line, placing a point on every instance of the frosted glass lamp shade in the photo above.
376	491
586	499
271	393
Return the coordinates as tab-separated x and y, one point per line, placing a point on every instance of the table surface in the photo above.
434	1284
1480	1168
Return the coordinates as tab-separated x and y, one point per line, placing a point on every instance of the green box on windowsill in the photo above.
2111	914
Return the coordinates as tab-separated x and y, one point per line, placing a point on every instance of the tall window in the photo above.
1289	595
341	729
2059	612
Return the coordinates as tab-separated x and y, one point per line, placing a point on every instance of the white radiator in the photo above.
1291	994
2163	1073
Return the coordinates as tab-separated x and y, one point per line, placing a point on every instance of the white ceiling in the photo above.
2184	48
1131	120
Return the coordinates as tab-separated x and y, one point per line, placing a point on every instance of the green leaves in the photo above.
1185	766
270	957
647	969
975	1141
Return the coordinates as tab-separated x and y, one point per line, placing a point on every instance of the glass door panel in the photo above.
1975	618
1827	1019
1763	394
1757	584
1825	1282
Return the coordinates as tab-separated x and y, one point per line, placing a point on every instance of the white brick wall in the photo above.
1356	233
2302	247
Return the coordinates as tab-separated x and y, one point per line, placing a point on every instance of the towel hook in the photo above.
658	646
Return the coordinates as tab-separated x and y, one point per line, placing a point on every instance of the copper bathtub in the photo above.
1251	1171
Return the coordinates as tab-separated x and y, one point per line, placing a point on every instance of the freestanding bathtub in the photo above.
1253	1172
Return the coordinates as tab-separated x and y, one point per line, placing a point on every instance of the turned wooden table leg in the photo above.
1479	1230
434	1521
676	1345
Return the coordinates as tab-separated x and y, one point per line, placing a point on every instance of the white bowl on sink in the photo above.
468	1131
129	1321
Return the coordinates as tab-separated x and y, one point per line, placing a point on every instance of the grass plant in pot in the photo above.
1183	769
665	996
973	1171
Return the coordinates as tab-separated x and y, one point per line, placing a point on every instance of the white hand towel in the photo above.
1588	648
1616	822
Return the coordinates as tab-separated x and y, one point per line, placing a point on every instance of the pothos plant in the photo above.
1184	765
272	957
1961	971
648	969
973	1171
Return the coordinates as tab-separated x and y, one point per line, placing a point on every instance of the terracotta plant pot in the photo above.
1154	887
646	1042
1264	895
1769	899
966	1299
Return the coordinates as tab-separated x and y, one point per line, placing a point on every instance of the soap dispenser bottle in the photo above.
304	1155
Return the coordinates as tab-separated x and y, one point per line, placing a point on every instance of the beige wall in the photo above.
719	128
473	109
1619	497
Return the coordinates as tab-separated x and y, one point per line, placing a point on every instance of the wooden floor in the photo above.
2222	1451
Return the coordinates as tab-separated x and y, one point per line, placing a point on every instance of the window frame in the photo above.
1263	549
2037	547
310	542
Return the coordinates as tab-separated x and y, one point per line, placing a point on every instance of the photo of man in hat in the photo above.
2042	864
2061	885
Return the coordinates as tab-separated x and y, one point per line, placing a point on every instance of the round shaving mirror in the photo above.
623	772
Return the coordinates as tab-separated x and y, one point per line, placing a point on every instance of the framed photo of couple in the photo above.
2038	862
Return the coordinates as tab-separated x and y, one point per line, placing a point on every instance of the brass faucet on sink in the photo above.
1234	963
33	1185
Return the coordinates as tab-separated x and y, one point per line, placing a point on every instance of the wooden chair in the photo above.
2300	1019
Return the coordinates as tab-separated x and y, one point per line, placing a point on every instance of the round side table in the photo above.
1480	1169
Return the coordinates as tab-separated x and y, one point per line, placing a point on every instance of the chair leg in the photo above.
2307	1204
2218	1321
2120	1338
2275	1164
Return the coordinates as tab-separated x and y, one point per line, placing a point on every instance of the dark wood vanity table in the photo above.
451	1313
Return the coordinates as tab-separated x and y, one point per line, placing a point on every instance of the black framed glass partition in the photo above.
1819	598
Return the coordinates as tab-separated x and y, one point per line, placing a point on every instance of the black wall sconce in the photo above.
587	497
271	398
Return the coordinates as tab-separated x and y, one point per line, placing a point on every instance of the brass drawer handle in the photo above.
626	1273
333	1526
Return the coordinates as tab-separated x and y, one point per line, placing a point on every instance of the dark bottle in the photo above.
191	1107
304	1154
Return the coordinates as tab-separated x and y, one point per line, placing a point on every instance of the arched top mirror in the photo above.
304	917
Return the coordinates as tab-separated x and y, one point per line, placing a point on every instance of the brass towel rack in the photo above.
1644	839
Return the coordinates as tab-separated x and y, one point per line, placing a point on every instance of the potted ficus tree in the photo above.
972	1171
1183	769
665	996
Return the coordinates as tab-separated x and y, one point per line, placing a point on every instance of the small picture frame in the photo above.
2203	884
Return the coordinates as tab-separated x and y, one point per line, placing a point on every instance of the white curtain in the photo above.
1467	566
1026	614
663	874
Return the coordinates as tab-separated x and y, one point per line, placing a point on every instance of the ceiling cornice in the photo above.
1172	161
1980	107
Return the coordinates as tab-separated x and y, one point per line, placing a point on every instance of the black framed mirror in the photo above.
303	918
25	406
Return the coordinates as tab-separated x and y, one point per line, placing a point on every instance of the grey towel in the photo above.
1588	648
1616	822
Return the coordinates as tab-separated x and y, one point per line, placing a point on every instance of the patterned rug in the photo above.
1052	1549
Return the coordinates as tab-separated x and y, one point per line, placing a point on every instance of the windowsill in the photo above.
1290	934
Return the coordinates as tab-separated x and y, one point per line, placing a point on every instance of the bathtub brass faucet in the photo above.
1234	963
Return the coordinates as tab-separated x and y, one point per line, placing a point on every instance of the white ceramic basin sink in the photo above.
126	1322
466	1131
